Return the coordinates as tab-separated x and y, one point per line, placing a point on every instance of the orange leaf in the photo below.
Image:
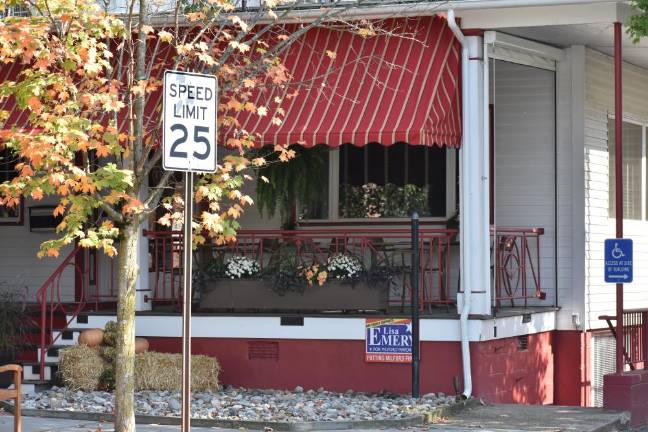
37	194
59	210
34	103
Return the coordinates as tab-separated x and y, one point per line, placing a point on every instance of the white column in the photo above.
143	290
474	184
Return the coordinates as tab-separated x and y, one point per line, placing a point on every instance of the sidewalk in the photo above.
35	424
495	418
531	418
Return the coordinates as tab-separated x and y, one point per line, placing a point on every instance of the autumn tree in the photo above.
86	125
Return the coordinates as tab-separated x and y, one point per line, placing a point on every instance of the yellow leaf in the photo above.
242	47
331	54
262	111
165	36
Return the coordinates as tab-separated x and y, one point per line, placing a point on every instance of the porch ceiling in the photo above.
598	36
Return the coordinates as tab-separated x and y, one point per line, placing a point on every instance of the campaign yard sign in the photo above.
388	340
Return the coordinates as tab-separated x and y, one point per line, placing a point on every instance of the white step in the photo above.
59	340
28	374
25	388
94	321
49	358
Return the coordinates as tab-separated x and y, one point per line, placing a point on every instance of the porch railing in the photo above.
387	249
634	337
80	272
515	259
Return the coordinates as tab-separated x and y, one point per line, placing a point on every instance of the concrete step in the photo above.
67	337
52	354
89	321
31	371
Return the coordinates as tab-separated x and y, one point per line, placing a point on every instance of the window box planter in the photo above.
257	294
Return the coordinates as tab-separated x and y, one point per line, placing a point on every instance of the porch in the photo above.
384	254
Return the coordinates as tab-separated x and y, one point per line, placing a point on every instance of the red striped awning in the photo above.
381	89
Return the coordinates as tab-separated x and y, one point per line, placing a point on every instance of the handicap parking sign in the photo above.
618	260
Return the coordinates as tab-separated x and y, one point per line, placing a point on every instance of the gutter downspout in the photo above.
467	278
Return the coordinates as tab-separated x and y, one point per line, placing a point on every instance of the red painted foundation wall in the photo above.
504	372
572	368
501	372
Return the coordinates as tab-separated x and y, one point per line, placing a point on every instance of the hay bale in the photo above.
81	367
110	334
108	353
162	371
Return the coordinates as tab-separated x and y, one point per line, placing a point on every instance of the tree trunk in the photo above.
125	356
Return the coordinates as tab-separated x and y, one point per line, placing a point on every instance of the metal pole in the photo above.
415	305
186	302
618	171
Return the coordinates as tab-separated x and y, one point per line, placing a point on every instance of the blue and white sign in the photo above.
618	260
388	340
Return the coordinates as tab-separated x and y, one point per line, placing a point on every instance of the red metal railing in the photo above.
80	273
634	337
516	259
516	262
389	248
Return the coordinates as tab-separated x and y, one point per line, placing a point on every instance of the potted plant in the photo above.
232	283
288	283
281	185
12	327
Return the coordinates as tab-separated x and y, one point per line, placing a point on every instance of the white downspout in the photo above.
466	281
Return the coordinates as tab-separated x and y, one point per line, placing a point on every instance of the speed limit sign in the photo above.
189	135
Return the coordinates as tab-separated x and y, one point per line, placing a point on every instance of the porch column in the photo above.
142	288
474	184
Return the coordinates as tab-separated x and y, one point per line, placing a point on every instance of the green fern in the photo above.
302	179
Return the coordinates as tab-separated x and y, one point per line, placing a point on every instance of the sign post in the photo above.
189	145
416	357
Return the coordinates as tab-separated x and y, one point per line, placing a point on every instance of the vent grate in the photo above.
523	342
263	351
603	362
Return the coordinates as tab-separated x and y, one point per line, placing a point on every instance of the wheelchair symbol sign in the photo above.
618	260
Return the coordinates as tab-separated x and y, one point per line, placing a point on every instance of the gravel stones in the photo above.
248	404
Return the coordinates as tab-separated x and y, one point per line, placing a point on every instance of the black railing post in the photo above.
415	305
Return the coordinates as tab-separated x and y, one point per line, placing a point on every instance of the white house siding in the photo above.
599	105
524	101
20	268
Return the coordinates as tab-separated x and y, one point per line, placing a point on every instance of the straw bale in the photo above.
81	367
162	371
108	353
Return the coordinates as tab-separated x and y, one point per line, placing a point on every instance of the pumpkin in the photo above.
141	345
91	337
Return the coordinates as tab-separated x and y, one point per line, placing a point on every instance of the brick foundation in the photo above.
628	392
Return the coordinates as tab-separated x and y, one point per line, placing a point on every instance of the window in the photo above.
8	215
379	182
632	170
376	181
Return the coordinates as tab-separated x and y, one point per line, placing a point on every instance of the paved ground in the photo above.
513	418
497	418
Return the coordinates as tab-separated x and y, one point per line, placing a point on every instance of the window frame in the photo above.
15	220
644	168
334	195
